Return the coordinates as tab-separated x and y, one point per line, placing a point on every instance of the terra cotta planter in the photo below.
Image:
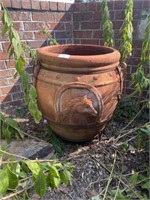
78	88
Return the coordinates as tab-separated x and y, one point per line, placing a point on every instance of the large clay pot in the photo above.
78	88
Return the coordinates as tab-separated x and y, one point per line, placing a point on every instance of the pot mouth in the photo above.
78	56
78	50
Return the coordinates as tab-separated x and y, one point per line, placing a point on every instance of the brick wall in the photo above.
76	23
30	17
87	28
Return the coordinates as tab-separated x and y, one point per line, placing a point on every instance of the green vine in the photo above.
126	46
51	40
9	128
107	27
139	78
19	176
16	50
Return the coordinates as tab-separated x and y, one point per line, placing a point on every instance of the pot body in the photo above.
78	87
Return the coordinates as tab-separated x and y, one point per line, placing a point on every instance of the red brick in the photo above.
111	5
101	42
134	61
61	41
4	82
16	4
18	95
10	89
92	6
69	7
97	34
44	16
18	26
20	16
2	65
35	5
136	14
5	98
117	44
88	16
26	35
39	36
7	3
61	6
112	16
44	5
76	26
146	4
97	16
77	41
53	6
90	25
135	23
33	26
137	52
3	55
62	16
80	7
118	5
5	46
63	34
137	4
57	26
1	14
91	41
5	37
137	44
69	41
117	24
7	73
68	26
26	4
119	14
13	81
83	34
10	63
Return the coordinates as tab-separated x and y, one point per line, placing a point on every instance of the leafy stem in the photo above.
16	50
139	78
107	27
126	46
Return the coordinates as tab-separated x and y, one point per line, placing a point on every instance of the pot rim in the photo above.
49	56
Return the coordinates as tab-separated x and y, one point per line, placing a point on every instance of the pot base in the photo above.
77	133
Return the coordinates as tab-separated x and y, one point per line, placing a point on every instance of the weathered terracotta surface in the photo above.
78	88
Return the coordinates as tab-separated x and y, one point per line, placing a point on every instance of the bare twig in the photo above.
16	193
116	176
110	177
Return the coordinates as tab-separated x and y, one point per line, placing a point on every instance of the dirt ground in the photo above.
90	159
